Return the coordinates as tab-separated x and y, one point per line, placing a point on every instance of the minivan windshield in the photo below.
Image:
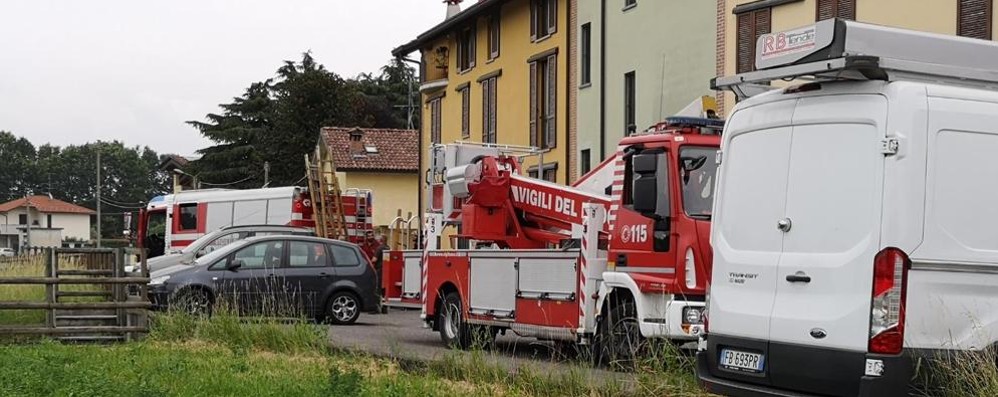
698	168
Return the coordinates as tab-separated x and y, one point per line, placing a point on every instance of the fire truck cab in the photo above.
619	257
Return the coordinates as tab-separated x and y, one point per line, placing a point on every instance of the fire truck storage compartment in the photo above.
549	278
412	274
498	278
493	285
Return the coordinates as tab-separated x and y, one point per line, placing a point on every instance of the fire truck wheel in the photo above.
618	339
343	308
453	330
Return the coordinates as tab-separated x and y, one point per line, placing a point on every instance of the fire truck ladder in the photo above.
327	203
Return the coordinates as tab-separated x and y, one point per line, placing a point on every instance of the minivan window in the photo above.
307	254
260	255
344	256
699	170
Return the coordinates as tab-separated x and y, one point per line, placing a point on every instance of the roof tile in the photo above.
397	150
46	204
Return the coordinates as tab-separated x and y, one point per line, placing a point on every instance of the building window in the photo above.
828	9
494	37
22	219
188	217
49	219
550	172
628	4
585	63
435	120
973	18
466	49
543	18
489	109
466	112
544	102
751	25
629	103
585	160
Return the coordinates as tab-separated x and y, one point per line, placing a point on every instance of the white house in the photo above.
41	221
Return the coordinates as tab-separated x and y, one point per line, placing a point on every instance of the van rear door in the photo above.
833	211
752	184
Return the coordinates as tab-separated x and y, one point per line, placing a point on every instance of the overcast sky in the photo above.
74	71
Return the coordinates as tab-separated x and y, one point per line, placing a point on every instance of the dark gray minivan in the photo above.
281	275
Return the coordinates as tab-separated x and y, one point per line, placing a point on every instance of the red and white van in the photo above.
171	222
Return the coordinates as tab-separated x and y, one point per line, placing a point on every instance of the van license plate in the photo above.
741	361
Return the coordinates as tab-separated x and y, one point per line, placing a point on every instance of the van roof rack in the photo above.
838	49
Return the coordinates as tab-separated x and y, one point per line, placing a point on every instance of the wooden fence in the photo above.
88	295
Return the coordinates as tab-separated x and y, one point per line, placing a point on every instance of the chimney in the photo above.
356	146
453	8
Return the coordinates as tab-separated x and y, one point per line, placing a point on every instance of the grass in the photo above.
228	355
964	373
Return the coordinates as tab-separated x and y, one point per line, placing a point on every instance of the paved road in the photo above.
400	334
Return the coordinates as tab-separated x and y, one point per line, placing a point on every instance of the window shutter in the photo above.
494	111
552	16
847	9
472	43
828	9
762	26
533	105
551	115
533	19
745	56
974	18
466	113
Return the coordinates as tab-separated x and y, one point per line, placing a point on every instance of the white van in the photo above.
856	217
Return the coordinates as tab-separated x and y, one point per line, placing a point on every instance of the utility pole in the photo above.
98	197
27	230
266	174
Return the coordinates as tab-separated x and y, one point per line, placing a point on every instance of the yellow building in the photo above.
382	160
498	72
741	22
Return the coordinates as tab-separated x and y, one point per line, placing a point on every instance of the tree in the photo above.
17	175
236	161
307	97
278	121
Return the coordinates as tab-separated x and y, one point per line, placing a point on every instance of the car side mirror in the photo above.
234	265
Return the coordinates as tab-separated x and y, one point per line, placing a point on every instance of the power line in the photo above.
105	202
227	184
119	202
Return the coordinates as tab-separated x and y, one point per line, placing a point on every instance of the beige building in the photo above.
40	221
639	61
386	161
741	22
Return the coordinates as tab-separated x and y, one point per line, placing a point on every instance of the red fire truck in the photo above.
173	221
621	256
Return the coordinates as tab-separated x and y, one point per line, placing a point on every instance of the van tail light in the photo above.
890	284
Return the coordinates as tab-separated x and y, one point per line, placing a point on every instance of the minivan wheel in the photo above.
194	302
343	308
618	340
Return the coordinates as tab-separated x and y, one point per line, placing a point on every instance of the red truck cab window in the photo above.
188	219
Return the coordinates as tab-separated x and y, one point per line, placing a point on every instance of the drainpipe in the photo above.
419	173
602	81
